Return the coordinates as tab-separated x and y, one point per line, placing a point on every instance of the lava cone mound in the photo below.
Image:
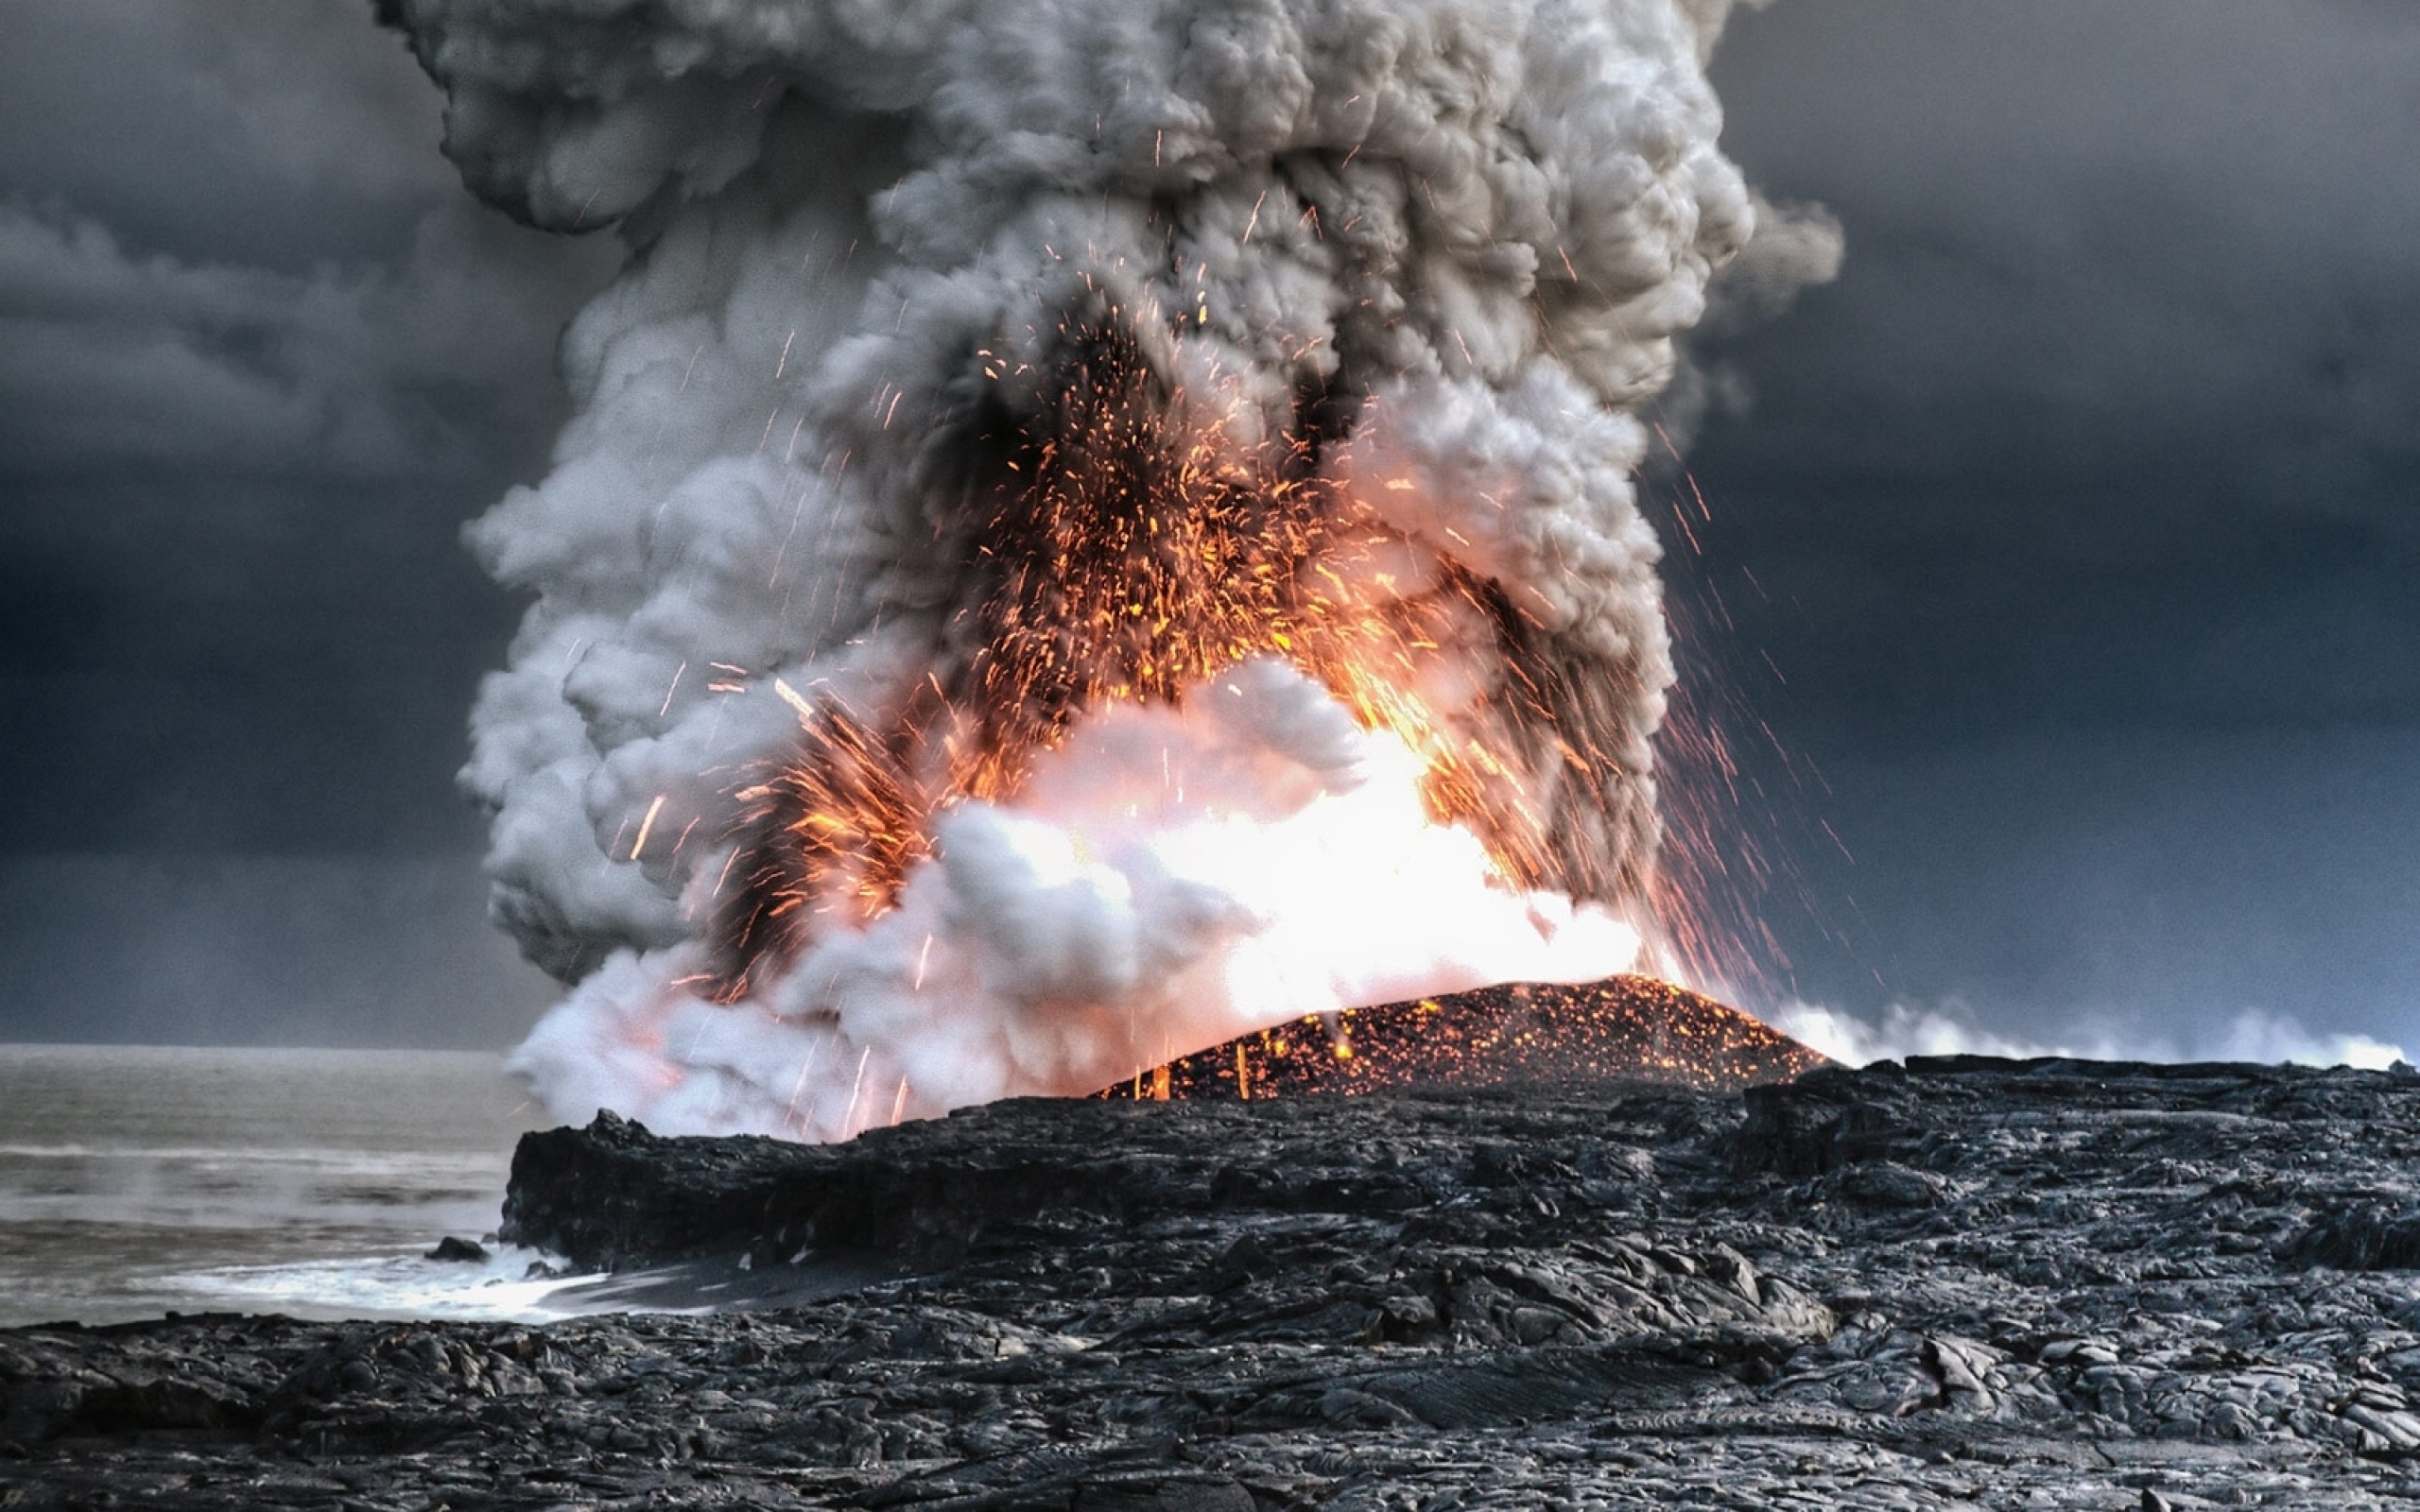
1623	1028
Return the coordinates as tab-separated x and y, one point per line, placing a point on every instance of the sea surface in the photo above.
136	1180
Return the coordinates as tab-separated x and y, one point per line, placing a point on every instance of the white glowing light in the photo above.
1172	878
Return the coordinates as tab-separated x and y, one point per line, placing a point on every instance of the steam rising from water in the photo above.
1124	912
1395	276
2253	1034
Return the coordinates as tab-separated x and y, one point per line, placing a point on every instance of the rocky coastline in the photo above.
1957	1282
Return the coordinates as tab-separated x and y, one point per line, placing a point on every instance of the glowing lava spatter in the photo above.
1086	530
1625	1028
1128	558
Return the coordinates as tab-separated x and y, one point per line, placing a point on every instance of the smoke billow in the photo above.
1090	525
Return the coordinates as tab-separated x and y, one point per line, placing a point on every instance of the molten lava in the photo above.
1625	1028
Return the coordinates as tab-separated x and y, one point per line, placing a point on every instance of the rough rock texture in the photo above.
1624	1027
1963	1283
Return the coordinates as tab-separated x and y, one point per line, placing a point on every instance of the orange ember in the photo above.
1625	1028
1132	551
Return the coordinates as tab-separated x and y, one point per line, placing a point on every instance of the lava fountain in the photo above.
1090	529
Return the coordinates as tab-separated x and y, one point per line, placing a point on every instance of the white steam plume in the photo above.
2254	1035
1415	263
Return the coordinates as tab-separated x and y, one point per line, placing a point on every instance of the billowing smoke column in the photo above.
1091	525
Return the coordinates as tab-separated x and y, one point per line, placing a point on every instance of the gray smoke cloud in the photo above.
1400	275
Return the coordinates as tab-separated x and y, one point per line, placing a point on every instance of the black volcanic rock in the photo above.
2362	1236
1959	1282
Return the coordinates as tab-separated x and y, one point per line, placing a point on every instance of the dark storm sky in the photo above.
260	356
2090	503
2078	517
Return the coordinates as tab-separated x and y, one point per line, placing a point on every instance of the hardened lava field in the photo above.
1624	1028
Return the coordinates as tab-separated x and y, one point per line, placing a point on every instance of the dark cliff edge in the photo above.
1952	1283
612	1197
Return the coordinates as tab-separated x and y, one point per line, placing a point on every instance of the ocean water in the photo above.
136	1180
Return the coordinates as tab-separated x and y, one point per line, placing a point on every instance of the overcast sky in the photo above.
2088	504
2070	537
260	356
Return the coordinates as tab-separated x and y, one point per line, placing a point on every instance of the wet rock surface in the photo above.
1960	1283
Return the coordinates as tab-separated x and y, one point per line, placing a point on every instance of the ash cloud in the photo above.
1419	265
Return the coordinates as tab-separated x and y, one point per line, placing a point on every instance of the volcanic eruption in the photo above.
1090	528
